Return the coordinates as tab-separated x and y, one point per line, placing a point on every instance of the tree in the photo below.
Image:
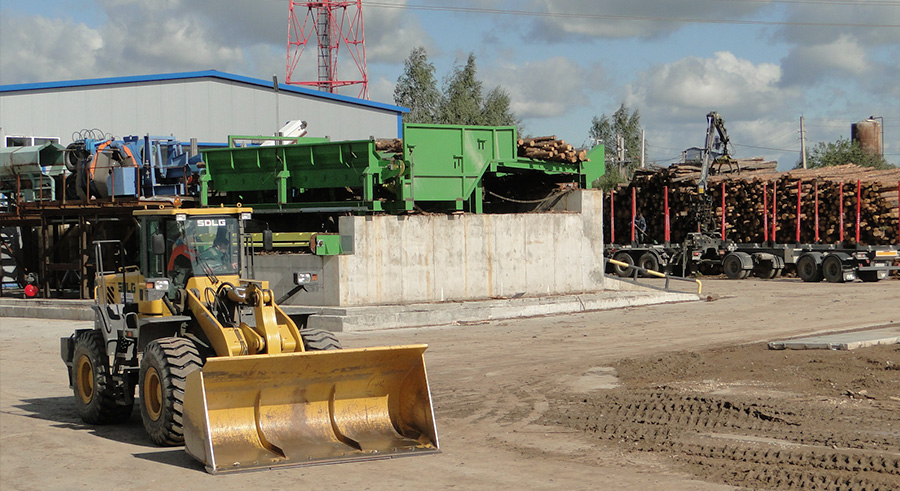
605	130
461	101
843	152
496	111
417	88
462	95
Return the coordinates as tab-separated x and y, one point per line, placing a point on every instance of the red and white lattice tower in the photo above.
335	25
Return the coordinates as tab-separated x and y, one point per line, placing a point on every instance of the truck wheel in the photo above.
319	340
95	394
623	271
164	368
733	267
833	269
809	268
648	260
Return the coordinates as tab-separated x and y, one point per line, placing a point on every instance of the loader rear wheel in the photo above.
319	340
95	393
164	369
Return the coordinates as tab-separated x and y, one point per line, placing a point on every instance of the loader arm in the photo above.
273	331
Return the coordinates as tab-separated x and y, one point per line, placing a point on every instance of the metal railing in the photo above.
635	270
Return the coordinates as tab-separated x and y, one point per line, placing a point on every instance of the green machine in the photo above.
438	167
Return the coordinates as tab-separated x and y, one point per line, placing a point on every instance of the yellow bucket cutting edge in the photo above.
315	407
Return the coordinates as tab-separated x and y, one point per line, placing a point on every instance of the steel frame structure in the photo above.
335	24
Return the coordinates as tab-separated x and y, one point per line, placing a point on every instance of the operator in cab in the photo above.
216	258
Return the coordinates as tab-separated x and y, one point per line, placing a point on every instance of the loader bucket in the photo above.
315	407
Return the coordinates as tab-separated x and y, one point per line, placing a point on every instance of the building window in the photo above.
27	141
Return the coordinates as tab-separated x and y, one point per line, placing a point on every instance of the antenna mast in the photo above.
335	24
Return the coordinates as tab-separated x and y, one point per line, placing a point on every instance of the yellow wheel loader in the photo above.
219	367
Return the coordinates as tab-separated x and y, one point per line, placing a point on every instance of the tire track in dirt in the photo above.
742	435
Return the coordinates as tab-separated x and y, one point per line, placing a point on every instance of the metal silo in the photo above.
868	134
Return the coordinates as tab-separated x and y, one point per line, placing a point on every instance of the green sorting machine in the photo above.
439	167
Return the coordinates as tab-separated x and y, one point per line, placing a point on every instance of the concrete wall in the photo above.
435	258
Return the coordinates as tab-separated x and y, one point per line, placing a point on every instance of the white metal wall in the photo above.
208	109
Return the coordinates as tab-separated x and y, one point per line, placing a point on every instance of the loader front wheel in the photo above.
319	340
164	369
95	394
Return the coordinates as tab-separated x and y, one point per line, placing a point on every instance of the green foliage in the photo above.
605	128
417	88
610	179
623	123
462	95
461	102
842	152
496	110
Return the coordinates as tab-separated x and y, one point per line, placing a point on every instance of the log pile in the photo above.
550	149
392	145
749	196
546	148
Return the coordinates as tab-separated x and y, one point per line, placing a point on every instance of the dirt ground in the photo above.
678	397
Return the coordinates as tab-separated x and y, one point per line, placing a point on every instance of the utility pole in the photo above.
277	117
802	143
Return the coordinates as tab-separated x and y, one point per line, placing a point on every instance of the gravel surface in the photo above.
676	397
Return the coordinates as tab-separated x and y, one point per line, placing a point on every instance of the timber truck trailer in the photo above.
219	366
708	251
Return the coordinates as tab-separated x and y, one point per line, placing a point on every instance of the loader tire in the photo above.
164	369
319	340
95	394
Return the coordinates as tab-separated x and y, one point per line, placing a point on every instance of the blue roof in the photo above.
201	74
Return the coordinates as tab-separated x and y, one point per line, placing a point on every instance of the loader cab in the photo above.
180	244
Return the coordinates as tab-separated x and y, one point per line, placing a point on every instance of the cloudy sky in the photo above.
761	64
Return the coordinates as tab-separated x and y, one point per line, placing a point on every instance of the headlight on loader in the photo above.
158	285
305	278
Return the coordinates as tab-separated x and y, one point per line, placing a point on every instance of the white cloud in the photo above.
692	85
810	64
539	88
38	49
627	18
858	18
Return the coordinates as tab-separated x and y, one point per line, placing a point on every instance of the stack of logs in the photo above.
749	195
546	148
550	149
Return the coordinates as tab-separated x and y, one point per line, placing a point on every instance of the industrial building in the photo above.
206	105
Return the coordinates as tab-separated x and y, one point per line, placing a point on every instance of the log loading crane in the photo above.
220	367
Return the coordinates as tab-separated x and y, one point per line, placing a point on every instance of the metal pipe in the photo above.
841	211
668	230
858	203
633	210
723	210
799	196
765	211
817	210
774	209
612	216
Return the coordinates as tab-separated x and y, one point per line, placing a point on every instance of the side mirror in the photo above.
267	240
158	244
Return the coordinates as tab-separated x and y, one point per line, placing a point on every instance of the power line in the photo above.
861	3
647	18
767	148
